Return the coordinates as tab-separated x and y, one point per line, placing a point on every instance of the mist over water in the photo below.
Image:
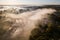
19	22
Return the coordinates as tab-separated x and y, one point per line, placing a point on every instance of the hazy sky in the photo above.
31	2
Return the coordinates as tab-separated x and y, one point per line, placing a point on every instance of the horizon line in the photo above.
26	4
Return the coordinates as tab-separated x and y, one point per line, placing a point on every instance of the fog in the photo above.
19	26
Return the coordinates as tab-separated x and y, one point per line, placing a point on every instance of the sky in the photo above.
29	2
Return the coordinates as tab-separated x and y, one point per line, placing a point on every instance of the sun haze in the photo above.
27	2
